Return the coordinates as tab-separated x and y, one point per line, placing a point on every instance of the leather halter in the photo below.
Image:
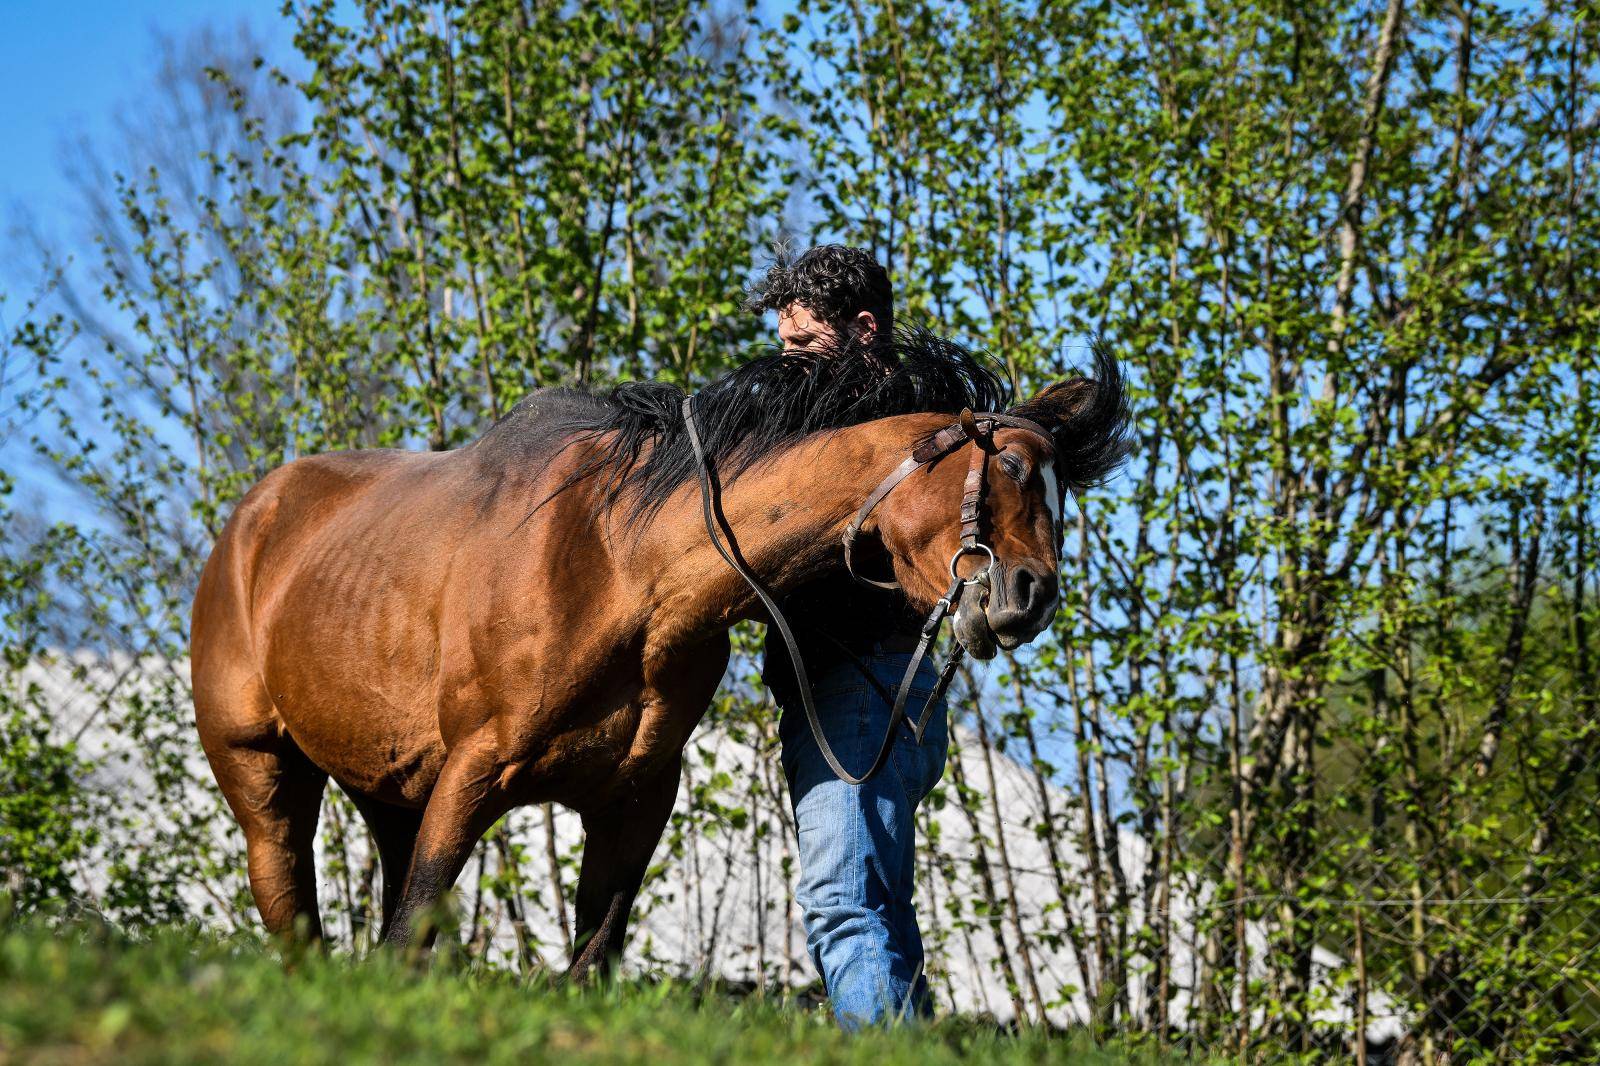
975	429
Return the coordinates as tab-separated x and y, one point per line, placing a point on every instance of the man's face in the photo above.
800	330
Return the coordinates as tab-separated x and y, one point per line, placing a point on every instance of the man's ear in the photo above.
865	324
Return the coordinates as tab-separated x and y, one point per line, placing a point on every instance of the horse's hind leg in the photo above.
275	793
394	831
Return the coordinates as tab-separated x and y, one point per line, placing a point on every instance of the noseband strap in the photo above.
977	430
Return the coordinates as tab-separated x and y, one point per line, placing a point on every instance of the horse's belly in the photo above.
360	700
374	741
357	688
379	705
366	742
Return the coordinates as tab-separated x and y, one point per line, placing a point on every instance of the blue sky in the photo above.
64	68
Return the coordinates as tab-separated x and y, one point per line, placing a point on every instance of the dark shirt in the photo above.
864	619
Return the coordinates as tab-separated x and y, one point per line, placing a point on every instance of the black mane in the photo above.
756	411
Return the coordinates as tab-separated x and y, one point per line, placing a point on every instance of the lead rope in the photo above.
715	518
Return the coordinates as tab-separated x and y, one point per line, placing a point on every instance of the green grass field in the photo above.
77	994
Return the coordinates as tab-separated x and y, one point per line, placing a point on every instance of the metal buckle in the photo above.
982	576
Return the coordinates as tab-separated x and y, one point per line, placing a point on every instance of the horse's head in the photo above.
1070	435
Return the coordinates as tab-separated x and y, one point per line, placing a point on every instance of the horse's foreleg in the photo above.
394	832
618	842
464	803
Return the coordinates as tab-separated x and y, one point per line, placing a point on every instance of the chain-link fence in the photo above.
1050	890
1308	765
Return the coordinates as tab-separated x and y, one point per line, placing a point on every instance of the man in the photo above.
857	842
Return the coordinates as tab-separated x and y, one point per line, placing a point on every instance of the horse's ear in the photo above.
1088	417
1057	406
1062	401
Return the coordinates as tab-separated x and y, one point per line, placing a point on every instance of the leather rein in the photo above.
975	429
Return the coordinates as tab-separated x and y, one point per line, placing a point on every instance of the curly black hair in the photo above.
833	281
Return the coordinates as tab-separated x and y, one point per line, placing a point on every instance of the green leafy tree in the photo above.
1316	735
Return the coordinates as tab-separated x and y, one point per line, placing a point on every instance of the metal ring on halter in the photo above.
980	576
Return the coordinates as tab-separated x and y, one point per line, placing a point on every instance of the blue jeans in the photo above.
858	842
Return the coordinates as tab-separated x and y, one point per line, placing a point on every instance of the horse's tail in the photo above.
1088	416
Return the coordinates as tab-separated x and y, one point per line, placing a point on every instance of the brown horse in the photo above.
541	616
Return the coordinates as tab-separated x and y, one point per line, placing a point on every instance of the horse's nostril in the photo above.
1048	589
1025	586
1026	597
1032	592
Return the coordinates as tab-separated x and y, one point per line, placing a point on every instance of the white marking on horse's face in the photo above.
1052	493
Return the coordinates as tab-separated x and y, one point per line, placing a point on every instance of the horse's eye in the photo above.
1014	468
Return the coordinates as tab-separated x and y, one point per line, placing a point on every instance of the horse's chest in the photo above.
562	732
599	752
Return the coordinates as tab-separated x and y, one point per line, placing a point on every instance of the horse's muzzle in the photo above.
1017	606
1022	600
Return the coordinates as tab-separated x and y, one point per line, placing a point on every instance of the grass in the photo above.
77	993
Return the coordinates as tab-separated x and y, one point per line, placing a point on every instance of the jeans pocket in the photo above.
935	747
848	720
919	765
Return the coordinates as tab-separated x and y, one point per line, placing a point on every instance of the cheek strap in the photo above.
977	475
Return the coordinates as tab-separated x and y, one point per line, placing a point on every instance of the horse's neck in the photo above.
787	514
